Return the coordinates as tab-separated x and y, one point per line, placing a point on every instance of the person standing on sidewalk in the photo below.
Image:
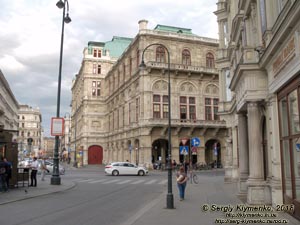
8	167
181	182
3	187
43	169
34	169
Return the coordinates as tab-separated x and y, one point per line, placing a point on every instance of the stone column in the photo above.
258	190
243	155
228	157
255	151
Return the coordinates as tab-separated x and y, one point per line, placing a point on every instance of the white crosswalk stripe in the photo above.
151	181
121	181
137	182
81	181
163	181
124	182
97	181
111	181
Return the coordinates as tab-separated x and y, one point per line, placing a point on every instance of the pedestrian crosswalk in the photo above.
121	181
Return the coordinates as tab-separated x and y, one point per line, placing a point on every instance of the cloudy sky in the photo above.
31	31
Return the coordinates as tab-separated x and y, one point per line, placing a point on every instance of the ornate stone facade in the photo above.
129	121
259	66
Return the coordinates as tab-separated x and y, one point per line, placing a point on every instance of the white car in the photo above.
125	168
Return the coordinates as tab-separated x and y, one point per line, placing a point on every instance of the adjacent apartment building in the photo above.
30	131
8	120
120	111
259	68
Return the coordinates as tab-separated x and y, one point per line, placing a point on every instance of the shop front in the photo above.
289	108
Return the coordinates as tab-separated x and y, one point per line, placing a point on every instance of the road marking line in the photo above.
137	182
124	182
151	181
81	181
163	182
111	181
97	181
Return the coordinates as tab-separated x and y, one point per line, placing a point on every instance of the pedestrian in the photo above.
3	187
8	168
181	178
43	169
174	164
34	169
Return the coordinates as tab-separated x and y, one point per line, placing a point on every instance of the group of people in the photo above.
34	169
5	174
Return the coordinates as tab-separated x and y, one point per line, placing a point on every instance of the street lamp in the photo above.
170	198
55	179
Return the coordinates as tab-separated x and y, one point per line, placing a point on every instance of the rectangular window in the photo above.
165	111
283	117
123	115
96	88
94	68
208	114
183	113
156	110
211	109
129	113
287	168
294	112
192	112
137	109
99	69
130	66
182	100
156	98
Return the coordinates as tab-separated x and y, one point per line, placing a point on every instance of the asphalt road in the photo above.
96	199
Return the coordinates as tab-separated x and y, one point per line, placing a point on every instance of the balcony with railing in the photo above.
181	67
186	122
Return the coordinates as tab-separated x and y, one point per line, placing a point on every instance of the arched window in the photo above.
210	62
186	57
160	54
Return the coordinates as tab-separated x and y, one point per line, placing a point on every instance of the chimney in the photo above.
143	24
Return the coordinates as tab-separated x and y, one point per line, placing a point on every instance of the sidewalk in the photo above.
43	188
211	190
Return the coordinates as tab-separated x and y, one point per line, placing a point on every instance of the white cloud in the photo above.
31	31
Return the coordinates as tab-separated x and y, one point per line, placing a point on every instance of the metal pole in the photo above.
170	198
55	179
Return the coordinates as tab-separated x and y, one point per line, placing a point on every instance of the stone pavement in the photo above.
211	191
43	188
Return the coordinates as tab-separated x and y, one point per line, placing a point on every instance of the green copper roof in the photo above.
117	46
173	29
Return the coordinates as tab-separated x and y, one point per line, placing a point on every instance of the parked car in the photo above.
125	168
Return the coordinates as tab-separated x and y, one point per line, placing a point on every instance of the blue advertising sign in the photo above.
195	142
184	150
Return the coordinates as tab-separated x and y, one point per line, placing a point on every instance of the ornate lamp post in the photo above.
170	198
55	179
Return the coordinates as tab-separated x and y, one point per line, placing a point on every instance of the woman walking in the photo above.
181	182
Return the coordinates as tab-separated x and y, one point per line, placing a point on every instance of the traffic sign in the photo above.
196	142
130	148
184	150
